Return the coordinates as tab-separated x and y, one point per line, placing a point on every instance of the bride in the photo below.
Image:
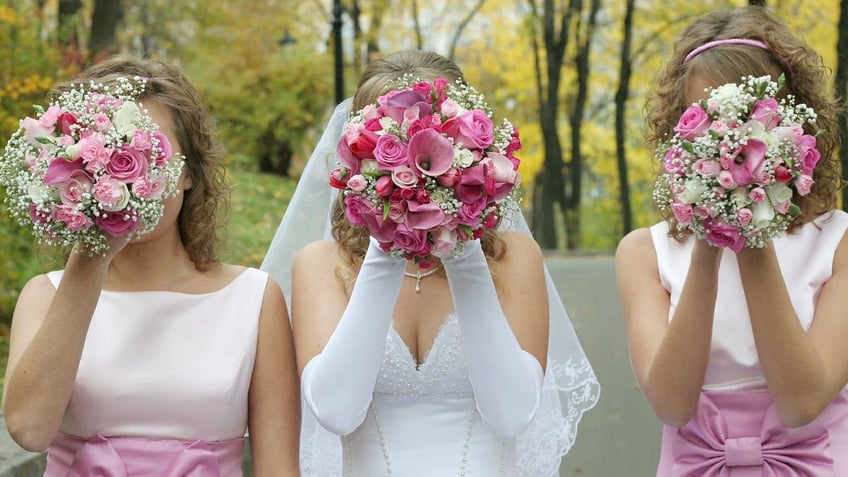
452	370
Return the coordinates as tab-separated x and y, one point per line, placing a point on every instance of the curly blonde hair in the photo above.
205	203
806	79
380	77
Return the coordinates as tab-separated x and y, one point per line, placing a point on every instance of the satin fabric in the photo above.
739	434
735	431
162	385
99	456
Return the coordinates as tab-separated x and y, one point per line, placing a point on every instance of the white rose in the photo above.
122	200
462	158
369	166
692	192
763	214
125	118
73	151
779	193
739	197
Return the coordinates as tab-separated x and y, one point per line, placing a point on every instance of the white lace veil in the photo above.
570	387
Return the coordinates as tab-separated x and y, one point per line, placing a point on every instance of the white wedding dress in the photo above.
423	421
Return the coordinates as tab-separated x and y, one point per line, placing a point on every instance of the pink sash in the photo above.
739	434
99	456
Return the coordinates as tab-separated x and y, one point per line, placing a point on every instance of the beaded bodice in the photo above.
443	372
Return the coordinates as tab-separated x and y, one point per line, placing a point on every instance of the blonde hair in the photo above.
379	78
205	203
787	54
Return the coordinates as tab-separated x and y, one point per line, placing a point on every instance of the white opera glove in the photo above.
507	380
338	383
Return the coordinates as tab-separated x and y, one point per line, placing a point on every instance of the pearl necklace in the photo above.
418	276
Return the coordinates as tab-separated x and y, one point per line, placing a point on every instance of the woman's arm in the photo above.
340	341
669	359
804	371
49	327
274	396
504	330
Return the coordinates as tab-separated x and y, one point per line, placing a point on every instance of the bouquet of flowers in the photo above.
425	169
92	163
736	161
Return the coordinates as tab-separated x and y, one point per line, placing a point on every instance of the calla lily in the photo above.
431	152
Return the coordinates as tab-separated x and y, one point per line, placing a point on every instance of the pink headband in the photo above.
727	41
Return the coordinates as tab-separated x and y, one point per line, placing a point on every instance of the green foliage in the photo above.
265	112
257	204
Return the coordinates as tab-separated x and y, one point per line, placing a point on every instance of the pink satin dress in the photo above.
736	431
162	384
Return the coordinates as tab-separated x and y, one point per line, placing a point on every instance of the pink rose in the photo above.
450	109
73	219
152	188
390	152
384	186
382	230
782	174
692	123
744	216
102	122
449	178
757	194
469	213
783	207
707	167
725	178
444	242
397	211
165	149
127	164
430	152
339	177
803	184
404	176
721	234
766	112
413	241
422	87
702	211
116	224
415	127
71	191
357	183
809	158
682	212
471	129
719	127
356	208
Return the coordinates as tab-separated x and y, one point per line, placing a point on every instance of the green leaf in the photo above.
385	209
44	140
38	108
687	146
794	210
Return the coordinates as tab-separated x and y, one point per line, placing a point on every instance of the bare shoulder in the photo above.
38	288
638	245
323	254
520	247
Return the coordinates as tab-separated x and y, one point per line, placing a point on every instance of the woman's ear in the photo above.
185	181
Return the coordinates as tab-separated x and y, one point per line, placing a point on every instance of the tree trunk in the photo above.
841	85
104	21
547	87
67	34
461	27
760	3
575	170
621	96
416	21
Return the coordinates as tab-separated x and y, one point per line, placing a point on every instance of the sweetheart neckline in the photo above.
416	366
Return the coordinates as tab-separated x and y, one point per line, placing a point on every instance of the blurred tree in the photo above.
622	94
841	86
103	41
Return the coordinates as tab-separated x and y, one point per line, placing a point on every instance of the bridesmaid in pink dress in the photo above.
155	359
743	356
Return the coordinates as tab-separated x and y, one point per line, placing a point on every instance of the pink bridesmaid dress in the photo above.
736	431
162	385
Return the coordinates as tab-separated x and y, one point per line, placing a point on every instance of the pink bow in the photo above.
703	447
98	458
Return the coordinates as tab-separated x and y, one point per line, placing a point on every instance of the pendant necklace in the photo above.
418	276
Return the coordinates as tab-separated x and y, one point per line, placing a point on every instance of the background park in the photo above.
572	75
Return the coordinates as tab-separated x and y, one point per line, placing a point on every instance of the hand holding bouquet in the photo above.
425	169
92	163
736	161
